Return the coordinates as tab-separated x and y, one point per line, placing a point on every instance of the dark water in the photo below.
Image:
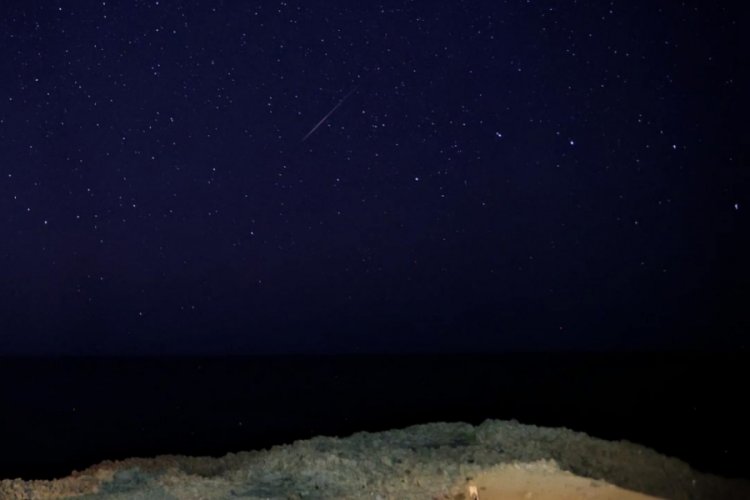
57	415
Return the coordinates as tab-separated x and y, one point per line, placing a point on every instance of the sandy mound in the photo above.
434	461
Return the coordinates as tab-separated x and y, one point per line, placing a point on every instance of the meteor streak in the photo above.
322	120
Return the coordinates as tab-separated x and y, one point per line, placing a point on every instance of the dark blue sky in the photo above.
503	175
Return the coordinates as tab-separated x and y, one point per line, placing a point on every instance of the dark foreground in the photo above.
57	415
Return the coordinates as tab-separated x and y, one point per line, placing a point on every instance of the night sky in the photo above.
492	176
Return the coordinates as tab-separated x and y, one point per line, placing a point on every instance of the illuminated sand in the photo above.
492	461
541	481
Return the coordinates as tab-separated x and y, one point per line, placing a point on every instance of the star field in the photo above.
497	175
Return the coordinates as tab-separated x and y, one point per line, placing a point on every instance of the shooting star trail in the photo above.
322	120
